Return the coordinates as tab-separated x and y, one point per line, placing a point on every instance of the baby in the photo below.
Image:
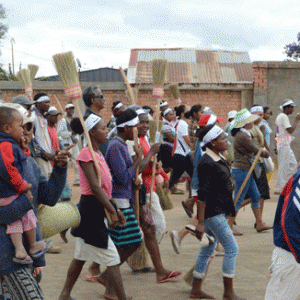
12	185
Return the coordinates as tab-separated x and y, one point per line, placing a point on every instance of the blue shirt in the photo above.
43	192
120	164
197	156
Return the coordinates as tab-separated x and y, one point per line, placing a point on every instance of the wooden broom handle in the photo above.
248	176
127	85
136	143
43	129
155	157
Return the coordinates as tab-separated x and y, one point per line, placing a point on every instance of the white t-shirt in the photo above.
182	129
282	122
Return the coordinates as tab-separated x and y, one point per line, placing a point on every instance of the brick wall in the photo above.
220	101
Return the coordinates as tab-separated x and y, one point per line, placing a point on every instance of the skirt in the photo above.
128	236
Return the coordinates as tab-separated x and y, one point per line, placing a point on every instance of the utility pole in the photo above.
12	40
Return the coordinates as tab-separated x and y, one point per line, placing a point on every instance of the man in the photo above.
25	102
287	164
67	138
44	151
94	100
285	268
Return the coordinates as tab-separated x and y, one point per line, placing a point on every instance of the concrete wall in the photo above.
274	82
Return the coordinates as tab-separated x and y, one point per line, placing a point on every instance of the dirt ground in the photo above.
252	274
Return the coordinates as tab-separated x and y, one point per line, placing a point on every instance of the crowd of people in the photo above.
121	207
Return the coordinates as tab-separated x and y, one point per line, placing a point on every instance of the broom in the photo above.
138	260
66	68
33	71
159	70
24	79
133	99
174	90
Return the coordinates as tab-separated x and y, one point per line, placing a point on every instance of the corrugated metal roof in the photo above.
192	66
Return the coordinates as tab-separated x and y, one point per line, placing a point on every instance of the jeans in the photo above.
218	227
251	188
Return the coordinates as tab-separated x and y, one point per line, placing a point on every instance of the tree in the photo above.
3	27
293	50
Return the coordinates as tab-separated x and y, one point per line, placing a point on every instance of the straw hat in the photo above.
242	118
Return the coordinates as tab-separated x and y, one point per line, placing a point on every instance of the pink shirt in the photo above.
106	179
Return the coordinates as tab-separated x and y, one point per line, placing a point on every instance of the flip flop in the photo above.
175	241
43	251
170	277
188	212
25	261
177	192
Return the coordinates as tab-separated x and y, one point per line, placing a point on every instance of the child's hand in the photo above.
28	187
29	195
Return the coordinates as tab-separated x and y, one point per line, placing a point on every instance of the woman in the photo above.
245	149
168	136
195	115
182	148
18	279
92	240
266	130
258	140
213	207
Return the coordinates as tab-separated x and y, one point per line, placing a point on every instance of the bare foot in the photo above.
263	228
21	253
232	297
167	276
37	247
200	295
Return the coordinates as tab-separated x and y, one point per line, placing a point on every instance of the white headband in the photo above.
91	121
212	120
211	135
118	105
288	102
70	105
140	111
43	99
256	109
132	122
163	104
167	111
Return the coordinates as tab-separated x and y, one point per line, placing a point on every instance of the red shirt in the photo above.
147	173
54	140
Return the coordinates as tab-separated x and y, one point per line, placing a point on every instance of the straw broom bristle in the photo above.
159	71
135	92
152	129
174	90
33	71
65	66
23	77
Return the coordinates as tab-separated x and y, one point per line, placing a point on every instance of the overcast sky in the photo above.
101	33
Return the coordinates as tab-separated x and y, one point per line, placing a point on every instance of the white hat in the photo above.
231	114
287	102
69	105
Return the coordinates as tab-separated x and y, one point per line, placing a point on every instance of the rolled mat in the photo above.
165	201
54	220
138	260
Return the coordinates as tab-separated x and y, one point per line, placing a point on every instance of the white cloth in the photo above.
45	166
85	252
41	133
182	130
285	273
72	160
287	166
282	122
157	216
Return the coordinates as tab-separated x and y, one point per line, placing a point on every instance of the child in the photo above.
12	185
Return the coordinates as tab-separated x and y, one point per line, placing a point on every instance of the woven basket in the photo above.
54	220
